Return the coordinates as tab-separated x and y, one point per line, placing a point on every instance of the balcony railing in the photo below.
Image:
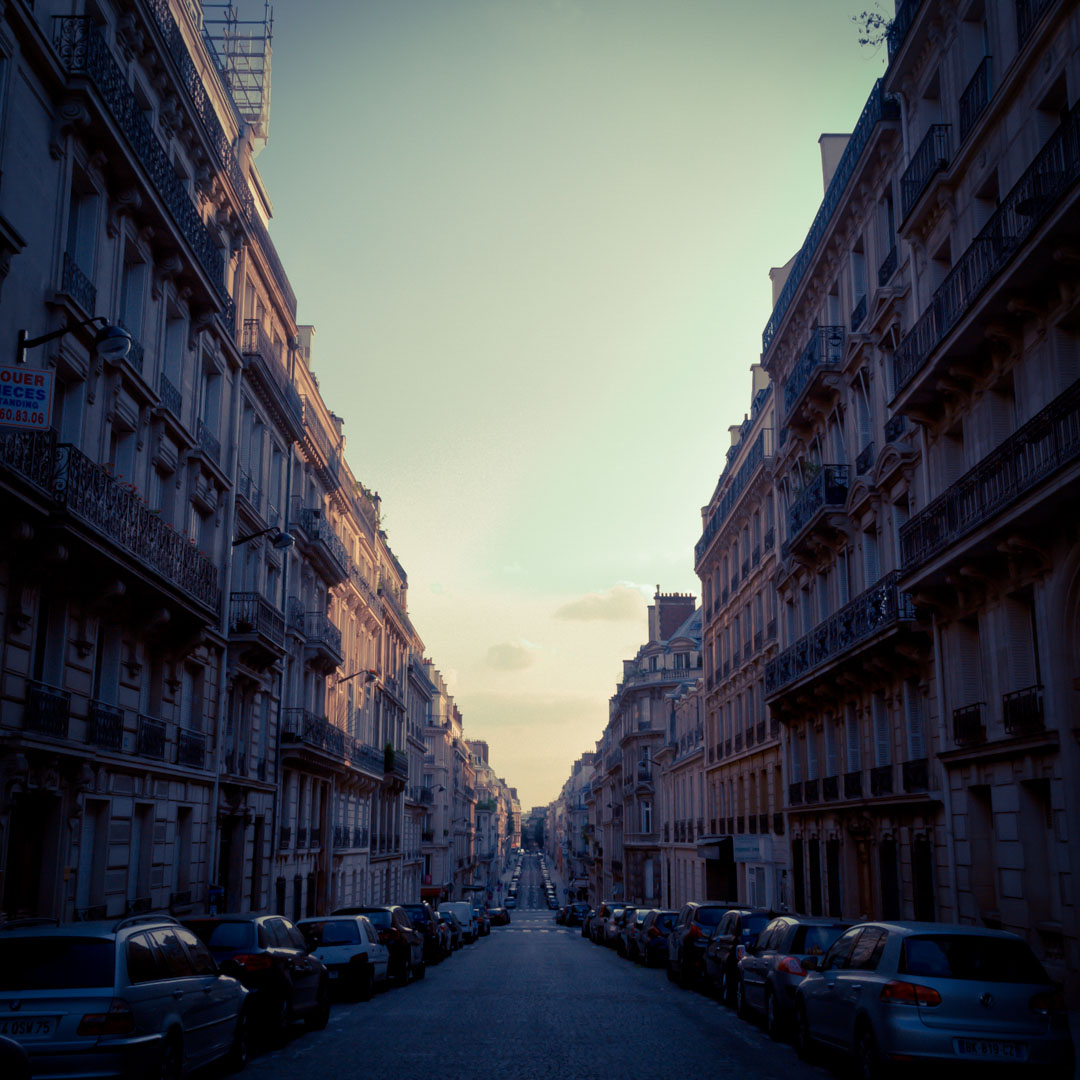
829	488
901	24
82	50
760	450
877	108
975	98
830	788
77	285
1023	210
881	780
256	342
853	788
930	157
304	727
170	396
46	710
858	315
320	631
895	427
1028	14
1022	711
1047	442
824	350
190	748
250	613
209	443
150	737
864	460
810	791
105	726
916	775
887	267
795	793
879	607
320	531
968	725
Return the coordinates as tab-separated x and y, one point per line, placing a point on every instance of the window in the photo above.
646	816
82	225
831	756
1018	614
132	289
871	559
882	735
913	708
840	950
867	950
173	958
141	962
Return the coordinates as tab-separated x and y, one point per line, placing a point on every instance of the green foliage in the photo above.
873	27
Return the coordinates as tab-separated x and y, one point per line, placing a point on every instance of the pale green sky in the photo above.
534	239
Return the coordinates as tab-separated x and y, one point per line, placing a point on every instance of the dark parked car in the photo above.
397	933
270	957
688	938
633	932
499	916
774	967
422	916
655	929
457	931
623	924
576	912
586	923
736	932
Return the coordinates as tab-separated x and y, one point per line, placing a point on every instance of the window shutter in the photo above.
913	706
882	741
811	755
870	558
1018	637
796	762
831	756
853	750
968	687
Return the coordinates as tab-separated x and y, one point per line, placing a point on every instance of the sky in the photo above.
534	239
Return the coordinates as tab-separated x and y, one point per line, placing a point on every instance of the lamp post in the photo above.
111	342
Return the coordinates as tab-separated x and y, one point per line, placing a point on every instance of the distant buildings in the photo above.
889	563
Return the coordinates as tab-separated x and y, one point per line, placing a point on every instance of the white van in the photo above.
466	915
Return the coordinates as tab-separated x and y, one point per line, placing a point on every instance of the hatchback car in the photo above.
136	997
632	933
576	912
349	946
453	927
688	939
736	932
397	933
772	969
655	930
933	994
270	957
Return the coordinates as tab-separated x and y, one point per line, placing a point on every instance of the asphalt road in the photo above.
538	1001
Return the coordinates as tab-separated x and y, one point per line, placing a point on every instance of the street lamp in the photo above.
111	342
281	541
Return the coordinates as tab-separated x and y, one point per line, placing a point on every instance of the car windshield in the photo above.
416	912
330	933
814	940
709	916
223	935
754	924
56	963
971	956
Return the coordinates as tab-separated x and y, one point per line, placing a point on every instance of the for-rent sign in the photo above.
26	398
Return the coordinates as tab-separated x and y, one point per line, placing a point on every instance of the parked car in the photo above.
270	957
737	931
140	996
934	994
510	901
455	929
596	924
560	915
586	923
349	946
483	921
688	938
499	916
622	927
466	915
771	971
655	929
397	933
576	912
609	927
422	916
632	933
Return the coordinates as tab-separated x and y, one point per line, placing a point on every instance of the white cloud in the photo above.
511	656
622	601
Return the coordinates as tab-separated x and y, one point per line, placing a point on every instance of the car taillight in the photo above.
254	961
905	993
653	932
740	951
119	1020
790	965
1048	1002
694	931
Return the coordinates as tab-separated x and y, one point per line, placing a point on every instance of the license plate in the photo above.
29	1027
990	1048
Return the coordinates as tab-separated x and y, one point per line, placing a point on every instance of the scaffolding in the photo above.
241	50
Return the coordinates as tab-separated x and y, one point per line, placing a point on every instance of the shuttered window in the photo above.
796	761
966	668
913	708
1021	668
832	766
811	754
853	748
882	734
871	560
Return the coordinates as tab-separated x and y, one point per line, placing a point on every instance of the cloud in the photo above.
615	604
510	656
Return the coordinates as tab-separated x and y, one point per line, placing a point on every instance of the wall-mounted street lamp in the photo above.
112	342
281	541
369	676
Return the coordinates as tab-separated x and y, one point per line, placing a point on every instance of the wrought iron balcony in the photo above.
830	788
324	545
47	709
82	50
930	157
1022	212
150	737
895	426
795	793
301	837
400	769
360	838
248	490
1022	711
263	360
304	728
864	460
916	775
823	352
853	788
427	796
171	398
105	726
760	451
881	780
393	596
1046	443
285	837
887	267
323	642
1028	14
208	442
810	791
828	489
975	98
876	109
901	24
77	285
252	616
858	315
878	608
191	748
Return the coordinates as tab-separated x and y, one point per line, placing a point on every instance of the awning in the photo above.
430	892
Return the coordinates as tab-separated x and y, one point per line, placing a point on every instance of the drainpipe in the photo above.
226	589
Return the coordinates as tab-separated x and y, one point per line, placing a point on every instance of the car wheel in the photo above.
171	1064
239	1050
742	1010
772	1017
278	1019
317	1020
804	1041
868	1063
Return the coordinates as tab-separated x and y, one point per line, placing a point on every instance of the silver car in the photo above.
141	997
933	994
